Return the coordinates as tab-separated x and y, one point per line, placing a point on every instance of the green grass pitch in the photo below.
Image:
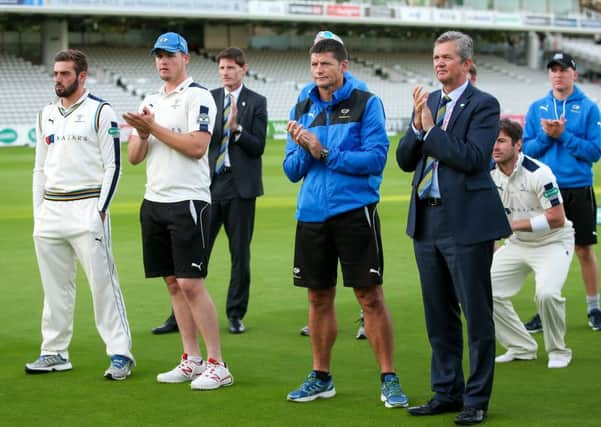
271	358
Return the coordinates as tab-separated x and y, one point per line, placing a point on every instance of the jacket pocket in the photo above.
479	184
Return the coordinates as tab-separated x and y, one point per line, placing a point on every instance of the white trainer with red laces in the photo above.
216	375
187	370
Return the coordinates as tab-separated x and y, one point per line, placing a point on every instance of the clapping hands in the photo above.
553	128
422	118
142	122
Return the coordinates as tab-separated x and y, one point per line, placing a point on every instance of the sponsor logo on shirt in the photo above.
203	119
68	138
114	131
49	139
511	210
344	114
551	193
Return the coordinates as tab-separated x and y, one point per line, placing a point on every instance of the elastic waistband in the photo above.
88	193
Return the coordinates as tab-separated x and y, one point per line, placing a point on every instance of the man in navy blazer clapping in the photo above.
455	216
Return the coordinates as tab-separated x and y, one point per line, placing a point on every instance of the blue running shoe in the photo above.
313	388
534	325
119	369
594	319
392	393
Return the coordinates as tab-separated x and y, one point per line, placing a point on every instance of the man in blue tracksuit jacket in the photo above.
304	94
563	130
337	144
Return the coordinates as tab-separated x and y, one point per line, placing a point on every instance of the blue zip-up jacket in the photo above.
352	127
304	92
572	155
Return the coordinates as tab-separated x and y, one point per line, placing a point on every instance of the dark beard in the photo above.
67	91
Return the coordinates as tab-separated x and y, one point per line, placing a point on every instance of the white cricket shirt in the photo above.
528	192
170	175
77	152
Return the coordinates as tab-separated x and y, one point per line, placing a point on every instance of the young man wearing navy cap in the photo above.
172	132
563	130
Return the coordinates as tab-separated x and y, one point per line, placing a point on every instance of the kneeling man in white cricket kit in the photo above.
542	242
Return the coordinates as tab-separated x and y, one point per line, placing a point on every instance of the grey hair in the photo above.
464	43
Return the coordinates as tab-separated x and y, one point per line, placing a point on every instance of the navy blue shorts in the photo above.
353	238
174	238
581	208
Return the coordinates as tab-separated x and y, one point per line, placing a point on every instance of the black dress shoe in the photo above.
435	407
236	326
170	325
470	416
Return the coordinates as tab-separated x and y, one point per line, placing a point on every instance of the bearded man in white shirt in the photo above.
77	168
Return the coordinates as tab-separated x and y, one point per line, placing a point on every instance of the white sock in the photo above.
195	359
592	303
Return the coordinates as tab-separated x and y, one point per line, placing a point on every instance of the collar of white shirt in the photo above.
235	93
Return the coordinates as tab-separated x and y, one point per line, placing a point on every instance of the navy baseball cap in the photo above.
563	59
170	42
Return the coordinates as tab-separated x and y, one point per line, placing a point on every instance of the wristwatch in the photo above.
238	130
323	154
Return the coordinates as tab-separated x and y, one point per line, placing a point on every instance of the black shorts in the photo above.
352	237
581	209
174	238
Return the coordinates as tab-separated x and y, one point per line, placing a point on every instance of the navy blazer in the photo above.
470	198
245	153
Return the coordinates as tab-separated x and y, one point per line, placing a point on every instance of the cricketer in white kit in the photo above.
542	242
77	168
172	132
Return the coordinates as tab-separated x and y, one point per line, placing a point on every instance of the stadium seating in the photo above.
29	87
585	50
24	87
124	75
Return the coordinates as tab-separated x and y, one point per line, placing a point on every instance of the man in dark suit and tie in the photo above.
455	216
235	160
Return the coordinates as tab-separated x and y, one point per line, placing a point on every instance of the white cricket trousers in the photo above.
550	264
65	232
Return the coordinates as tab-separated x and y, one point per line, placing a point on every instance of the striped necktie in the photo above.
425	182
227	119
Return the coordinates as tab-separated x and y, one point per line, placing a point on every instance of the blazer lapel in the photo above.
241	103
434	102
460	105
